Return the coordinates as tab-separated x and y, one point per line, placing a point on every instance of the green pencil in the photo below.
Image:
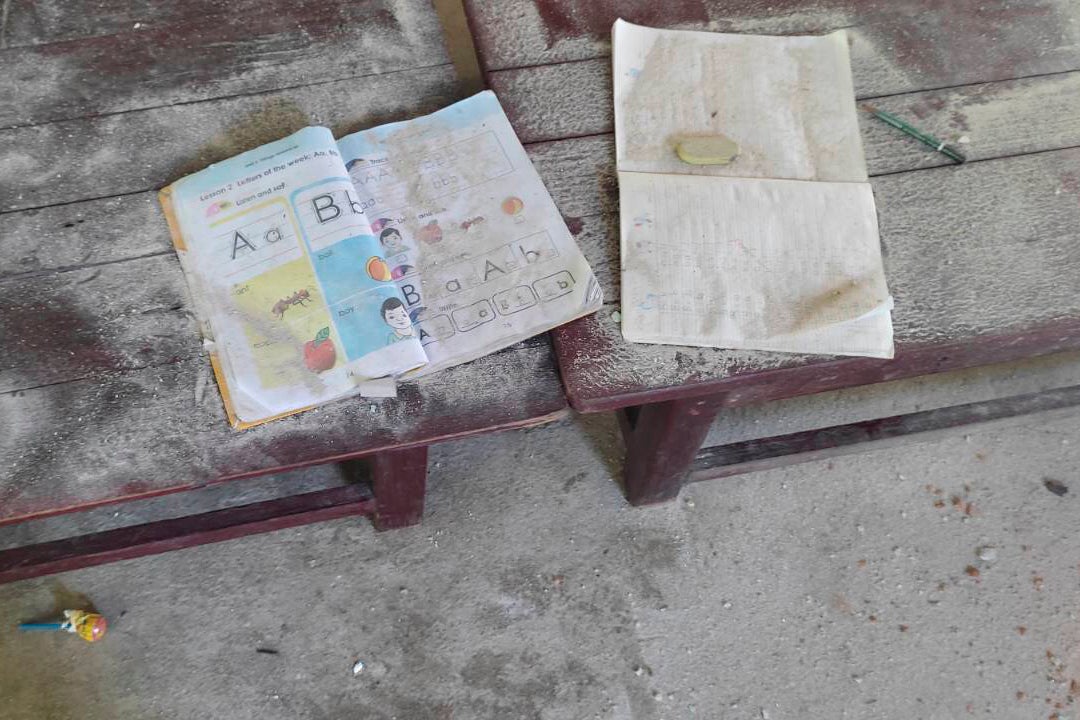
927	139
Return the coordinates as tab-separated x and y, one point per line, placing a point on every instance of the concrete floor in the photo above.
827	590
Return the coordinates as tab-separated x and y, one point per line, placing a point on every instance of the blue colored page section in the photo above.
366	305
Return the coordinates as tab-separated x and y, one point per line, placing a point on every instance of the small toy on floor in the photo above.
89	626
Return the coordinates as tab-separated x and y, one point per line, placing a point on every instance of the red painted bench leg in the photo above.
398	480
662	440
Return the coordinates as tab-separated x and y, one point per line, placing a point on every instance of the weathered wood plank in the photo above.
36	22
31	22
897	45
217	55
158	430
1000	118
82	234
997	119
70	325
982	259
145	150
96	321
579	173
107	230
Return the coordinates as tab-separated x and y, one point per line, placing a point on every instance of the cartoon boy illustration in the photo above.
392	242
397	317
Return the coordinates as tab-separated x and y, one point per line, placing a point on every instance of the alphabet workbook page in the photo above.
321	269
468	230
296	303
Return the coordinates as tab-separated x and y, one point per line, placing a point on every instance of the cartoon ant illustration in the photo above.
297	298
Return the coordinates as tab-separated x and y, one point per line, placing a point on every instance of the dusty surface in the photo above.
894	49
845	588
110	438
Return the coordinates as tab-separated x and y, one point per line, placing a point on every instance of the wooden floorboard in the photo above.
158	430
226	53
94	321
897	46
82	234
144	150
40	22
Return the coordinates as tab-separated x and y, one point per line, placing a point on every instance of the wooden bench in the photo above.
105	393
982	259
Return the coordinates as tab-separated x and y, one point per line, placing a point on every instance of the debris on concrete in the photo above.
446	640
1055	486
987	553
358	667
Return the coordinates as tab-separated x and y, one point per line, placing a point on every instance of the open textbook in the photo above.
322	268
776	250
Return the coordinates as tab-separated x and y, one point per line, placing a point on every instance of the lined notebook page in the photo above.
787	101
777	250
752	263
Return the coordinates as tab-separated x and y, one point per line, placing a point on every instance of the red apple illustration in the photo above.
319	354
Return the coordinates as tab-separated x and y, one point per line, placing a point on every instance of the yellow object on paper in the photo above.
776	249
709	150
